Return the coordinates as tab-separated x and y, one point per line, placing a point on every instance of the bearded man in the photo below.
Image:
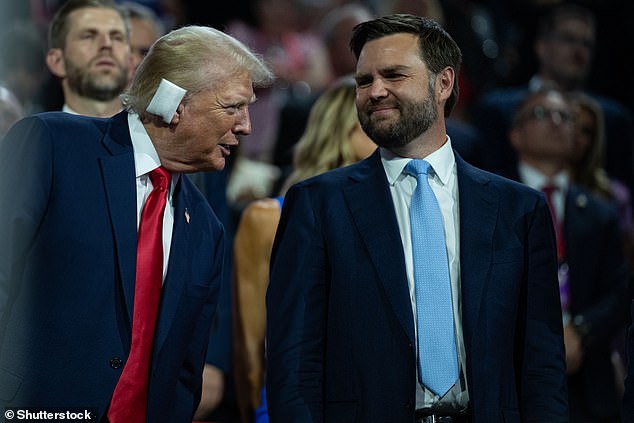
90	53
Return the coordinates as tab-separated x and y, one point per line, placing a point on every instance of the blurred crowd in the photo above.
510	49
305	41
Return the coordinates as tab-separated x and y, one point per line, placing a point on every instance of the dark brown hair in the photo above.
437	49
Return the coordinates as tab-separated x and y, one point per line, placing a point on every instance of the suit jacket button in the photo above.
115	362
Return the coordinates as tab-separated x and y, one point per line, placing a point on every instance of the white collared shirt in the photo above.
66	108
444	183
146	159
537	180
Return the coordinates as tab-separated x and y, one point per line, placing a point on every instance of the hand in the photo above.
212	392
574	349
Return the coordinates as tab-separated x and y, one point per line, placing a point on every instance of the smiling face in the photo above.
210	123
95	58
396	97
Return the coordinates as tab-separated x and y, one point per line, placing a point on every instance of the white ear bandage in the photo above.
166	100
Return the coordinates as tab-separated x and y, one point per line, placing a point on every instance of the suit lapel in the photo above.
576	221
478	214
370	201
119	185
174	285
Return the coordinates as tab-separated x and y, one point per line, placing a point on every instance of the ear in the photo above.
178	114
55	62
444	83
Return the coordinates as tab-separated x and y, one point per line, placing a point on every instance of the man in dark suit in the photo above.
593	274
73	192
564	47
342	331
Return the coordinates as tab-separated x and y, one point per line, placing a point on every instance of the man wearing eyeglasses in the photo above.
592	271
565	47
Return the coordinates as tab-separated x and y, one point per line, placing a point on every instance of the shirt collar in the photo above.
537	180
535	83
66	108
146	158
441	160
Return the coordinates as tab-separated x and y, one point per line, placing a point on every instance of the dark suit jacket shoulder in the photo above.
69	227
339	309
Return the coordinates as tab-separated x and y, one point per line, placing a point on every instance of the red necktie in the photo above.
129	400
548	191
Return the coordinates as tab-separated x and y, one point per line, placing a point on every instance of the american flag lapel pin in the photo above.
186	216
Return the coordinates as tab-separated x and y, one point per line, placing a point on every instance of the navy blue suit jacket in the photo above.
67	271
340	329
598	290
598	280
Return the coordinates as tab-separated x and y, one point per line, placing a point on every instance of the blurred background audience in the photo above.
10	110
564	45
510	49
22	66
593	276
89	53
333	138
145	28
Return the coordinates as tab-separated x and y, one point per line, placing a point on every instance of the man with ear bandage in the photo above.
79	197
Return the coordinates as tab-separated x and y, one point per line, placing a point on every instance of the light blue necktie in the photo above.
437	356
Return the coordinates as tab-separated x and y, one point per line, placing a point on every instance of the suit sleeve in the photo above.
296	303
542	387
607	310
25	182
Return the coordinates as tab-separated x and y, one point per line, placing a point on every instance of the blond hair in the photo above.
195	58
325	145
589	170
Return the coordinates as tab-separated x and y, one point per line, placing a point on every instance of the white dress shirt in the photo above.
146	159
444	183
537	180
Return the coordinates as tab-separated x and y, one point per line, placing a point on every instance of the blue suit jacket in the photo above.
67	271
340	330
598	280
598	289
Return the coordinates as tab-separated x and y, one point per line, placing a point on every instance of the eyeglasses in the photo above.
573	40
558	117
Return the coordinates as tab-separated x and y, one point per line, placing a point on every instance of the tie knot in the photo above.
160	178
548	189
418	167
